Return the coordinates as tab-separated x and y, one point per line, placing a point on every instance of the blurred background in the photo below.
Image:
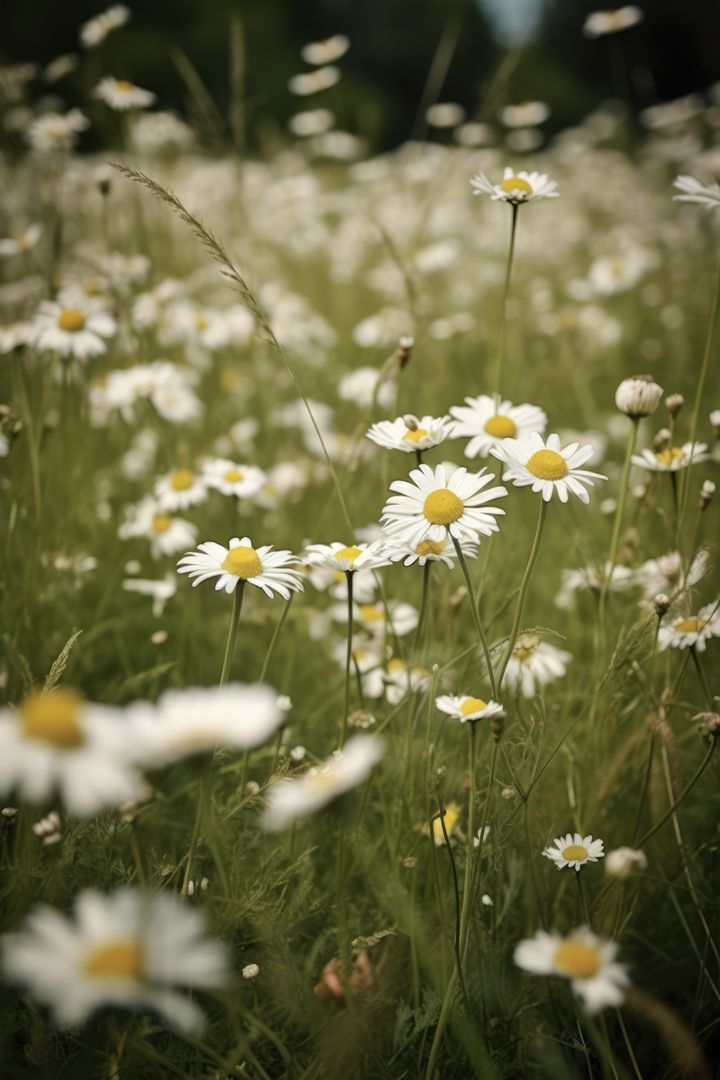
395	45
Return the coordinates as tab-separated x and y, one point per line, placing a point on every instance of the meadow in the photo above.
418	781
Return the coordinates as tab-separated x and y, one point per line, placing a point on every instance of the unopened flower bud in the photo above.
410	422
250	971
661	603
706	493
674	403
663	438
497	724
715	421
624	861
638	396
405	348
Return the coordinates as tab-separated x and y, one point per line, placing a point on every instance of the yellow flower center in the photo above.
371	613
430	547
243	562
575	852
349	553
71	320
547	465
472	705
514	183
577	960
233	476
416	435
525	647
201	322
691	625
396	664
53	718
161	522
502	427
229	381
670	454
452	813
124	86
181	480
442	507
121	959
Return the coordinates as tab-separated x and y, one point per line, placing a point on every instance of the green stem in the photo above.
506	291
232	632
348	656
615	538
523	591
681	797
276	634
646	783
703	679
476	616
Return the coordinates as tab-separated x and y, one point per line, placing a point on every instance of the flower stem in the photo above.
681	797
523	591
348	657
703	679
276	634
615	538
476	615
503	310
232	632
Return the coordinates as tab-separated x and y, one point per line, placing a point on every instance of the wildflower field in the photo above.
359	594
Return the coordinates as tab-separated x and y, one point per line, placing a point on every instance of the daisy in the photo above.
326	579
363	387
167	534
696	192
691	631
525	114
486	420
126	949
547	468
466	708
441	503
95	30
180	489
348	559
429	551
534	663
410	433
450	819
13	245
671	458
622	862
373	618
240	562
76	328
57	742
574	850
289	800
588	961
515	187
242	481
56	132
615	578
395	681
599	23
667	573
122	95
325	51
161	591
313	82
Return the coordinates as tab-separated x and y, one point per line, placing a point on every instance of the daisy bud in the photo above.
706	493
497	723
661	603
405	348
715	421
622	862
674	403
662	439
410	422
361	718
638	396
250	971
252	787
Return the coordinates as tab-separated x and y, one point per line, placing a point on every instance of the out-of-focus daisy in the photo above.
127	949
311	122
95	30
444	114
612	21
333	579
450	820
534	663
266	569
623	862
398	619
466	708
692	190
430	551
160	590
524	115
61	66
58	742
289	800
437	503
56	132
122	95
486	420
75	328
396	680
362	387
167	534
671	458
690	631
410	433
180	489
348	558
325	51
24	241
591	579
588	961
667	573
545	467
574	850
520	187
312	82
242	481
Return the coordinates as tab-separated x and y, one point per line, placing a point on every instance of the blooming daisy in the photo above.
691	631
266	569
13	245
325	51
429	551
439	503
693	190
515	187
348	559
167	534
599	23
289	800
547	468
395	681
161	591
126	949
588	961
574	850
120	94
615	578
312	82
486	420
59	742
466	708
410	433
667	573
533	663
75	328
242	481
180	489
95	30
398	620
622	862
671	458
55	132
364	388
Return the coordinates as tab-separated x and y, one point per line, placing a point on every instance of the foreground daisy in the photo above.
349	559
58	743
545	467
671	458
125	950
588	961
534	663
289	800
74	328
691	631
411	434
486	420
240	562
516	188
442	502
574	850
692	190
466	708
122	95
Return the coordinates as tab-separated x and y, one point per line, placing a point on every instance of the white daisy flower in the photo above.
312	82
76	328
410	433
615	578
366	653
325	51
122	95
574	850
24	241
534	663
361	387
161	591
289	800
667	573
373	618
57	742
441	503
266	569
242	481
515	187
180	489
671	458
429	551
623	862
395	681
95	30
334	580
588	961
348	559
525	114
547	468
466	708
167	534
690	631
56	132
127	949
695	191
599	23
486	420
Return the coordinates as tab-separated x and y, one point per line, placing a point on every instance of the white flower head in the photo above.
671	458
24	241
638	396
694	191
242	481
622	862
122	95
612	21
429	551
325	51
466	708
75	328
574	850
546	468
586	960
167	534
516	188
486	420
410	433
180	489
534	663
351	558
690	631
56	132
95	30
268	570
